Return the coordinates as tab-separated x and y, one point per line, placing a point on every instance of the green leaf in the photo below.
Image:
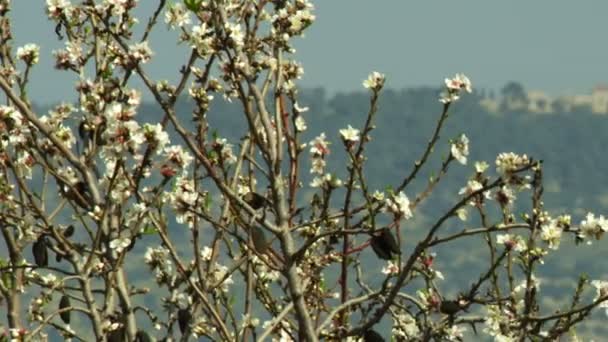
208	203
193	5
148	230
6	278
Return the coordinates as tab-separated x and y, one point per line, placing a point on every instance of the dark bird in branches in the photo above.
143	336
40	251
63	304
183	319
78	193
384	244
260	243
372	336
255	200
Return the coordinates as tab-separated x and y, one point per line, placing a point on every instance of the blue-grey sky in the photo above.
554	45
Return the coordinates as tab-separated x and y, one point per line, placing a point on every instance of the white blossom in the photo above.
601	291
374	81
453	88
460	81
514	242
120	243
399	205
177	16
140	52
460	149
481	166
593	226
300	124
55	7
350	134
551	233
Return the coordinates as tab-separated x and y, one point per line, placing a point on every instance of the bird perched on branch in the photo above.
372	336
183	319
384	244
77	193
41	254
91	132
260	243
64	303
255	200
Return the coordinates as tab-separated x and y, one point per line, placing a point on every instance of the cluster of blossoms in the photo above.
69	58
58	10
390	268
117	7
501	323
55	121
29	54
35	310
220	272
551	233
263	273
319	149
224	151
453	88
601	292
177	16
245	185
201	328
293	19
405	326
120	243
292	71
427	261
156	136
158	260
122	132
299	122
139	53
235	33
473	186
455	333
183	200
15	140
399	205
55	8
176	158
505	196
13	129
496	321
327	179
507	163
593	227
512	242
202	40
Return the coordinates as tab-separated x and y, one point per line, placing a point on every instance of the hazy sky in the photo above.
554	45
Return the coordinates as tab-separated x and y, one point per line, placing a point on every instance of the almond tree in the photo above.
89	185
